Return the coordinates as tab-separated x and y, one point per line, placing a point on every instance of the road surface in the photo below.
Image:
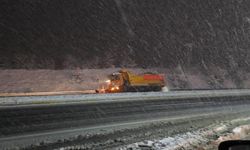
50	121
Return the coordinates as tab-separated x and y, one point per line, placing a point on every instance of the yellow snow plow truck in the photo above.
125	81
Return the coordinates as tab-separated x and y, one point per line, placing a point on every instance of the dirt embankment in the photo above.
76	80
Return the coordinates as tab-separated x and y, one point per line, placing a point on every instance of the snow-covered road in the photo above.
112	120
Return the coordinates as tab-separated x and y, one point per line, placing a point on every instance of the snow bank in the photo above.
199	139
14	81
237	133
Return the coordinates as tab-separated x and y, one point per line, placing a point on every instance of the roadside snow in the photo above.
194	139
237	133
20	80
90	98
172	143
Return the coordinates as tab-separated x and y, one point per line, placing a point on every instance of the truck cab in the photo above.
115	83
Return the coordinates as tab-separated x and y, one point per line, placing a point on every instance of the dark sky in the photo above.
59	34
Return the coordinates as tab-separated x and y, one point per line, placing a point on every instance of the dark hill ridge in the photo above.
63	34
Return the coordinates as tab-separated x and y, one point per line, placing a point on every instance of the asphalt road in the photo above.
21	123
